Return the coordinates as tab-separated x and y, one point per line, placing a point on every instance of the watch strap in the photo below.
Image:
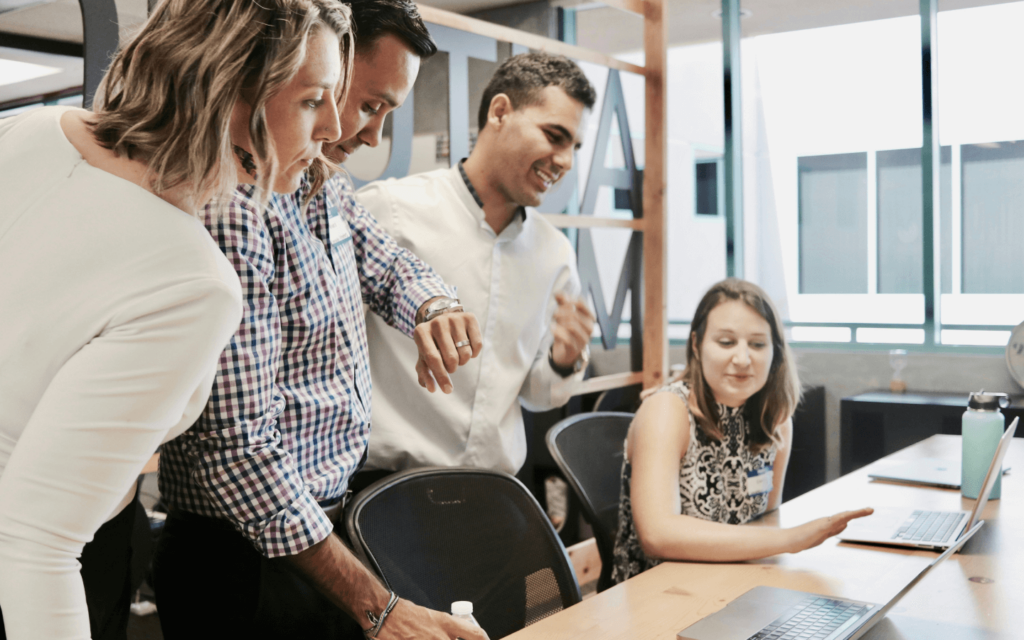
574	368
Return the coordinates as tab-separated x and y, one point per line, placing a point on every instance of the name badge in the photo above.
338	229
759	481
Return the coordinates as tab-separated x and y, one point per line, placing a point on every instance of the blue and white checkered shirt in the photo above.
289	415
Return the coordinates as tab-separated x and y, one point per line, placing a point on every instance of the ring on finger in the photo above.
462	343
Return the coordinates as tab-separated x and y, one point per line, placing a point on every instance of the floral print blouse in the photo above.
719	480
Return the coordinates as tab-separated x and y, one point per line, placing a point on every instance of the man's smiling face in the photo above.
536	146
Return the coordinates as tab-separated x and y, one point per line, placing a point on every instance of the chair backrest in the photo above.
438	535
588	449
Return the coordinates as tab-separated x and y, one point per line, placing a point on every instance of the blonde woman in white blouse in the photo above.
115	303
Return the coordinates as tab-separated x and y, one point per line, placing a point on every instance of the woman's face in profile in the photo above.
736	353
303	116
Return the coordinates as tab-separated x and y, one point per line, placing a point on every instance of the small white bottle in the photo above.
463	610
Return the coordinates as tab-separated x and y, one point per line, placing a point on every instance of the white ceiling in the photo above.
607	30
692	21
62	19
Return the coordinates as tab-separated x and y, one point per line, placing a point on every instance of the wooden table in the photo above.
659	603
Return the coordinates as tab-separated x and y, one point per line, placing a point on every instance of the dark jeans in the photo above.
211	582
106	574
364	479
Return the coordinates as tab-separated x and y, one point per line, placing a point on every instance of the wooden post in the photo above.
655	161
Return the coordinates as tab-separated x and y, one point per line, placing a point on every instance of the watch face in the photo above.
439	305
1015	354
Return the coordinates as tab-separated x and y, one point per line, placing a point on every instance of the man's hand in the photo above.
571	326
336	573
436	340
412	622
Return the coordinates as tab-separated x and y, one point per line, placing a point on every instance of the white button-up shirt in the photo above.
509	281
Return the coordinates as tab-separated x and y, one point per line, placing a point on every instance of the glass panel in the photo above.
890	336
833	223
900	246
993	217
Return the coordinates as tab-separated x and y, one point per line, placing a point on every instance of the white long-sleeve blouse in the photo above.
114	308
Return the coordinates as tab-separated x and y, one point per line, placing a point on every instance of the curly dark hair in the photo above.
374	18
524	76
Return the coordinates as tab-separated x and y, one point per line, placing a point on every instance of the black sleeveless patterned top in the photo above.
712	483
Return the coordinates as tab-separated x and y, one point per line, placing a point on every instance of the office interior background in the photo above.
831	137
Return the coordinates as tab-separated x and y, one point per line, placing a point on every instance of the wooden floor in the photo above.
144	628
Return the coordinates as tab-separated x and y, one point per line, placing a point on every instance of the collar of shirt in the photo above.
520	212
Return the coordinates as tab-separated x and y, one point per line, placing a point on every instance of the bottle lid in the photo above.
982	401
462	608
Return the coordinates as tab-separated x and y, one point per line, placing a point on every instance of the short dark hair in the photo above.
524	76
375	18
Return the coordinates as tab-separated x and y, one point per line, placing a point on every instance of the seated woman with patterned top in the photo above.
710	449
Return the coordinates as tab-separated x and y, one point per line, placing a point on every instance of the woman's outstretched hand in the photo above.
817	531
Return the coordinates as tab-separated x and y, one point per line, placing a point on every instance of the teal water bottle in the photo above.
983	426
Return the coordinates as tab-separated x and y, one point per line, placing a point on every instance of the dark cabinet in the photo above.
877	423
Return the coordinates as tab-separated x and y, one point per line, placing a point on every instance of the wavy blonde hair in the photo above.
168	95
776	401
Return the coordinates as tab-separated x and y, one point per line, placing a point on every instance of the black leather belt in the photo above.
334	510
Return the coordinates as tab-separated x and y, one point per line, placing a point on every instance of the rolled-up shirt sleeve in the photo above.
234	452
395	282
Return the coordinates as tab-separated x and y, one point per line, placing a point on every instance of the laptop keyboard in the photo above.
929	526
815	618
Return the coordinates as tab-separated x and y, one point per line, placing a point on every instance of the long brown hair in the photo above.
169	93
774	403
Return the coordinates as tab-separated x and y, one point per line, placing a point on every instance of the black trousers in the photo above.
211	582
106	574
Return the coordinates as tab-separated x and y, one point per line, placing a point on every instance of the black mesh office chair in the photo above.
588	449
439	535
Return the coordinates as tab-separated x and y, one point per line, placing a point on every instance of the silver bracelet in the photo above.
379	622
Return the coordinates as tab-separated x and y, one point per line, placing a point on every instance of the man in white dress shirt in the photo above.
473	224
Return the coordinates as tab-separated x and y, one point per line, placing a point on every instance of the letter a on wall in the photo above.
628	179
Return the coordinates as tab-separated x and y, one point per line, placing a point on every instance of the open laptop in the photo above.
920	528
769	613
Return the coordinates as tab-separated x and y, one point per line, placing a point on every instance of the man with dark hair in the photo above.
523	79
256	487
391	39
512	267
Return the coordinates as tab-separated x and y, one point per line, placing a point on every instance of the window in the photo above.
833	223
842	180
992	191
708	183
900	245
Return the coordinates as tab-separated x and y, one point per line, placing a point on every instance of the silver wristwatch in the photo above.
441	306
577	366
